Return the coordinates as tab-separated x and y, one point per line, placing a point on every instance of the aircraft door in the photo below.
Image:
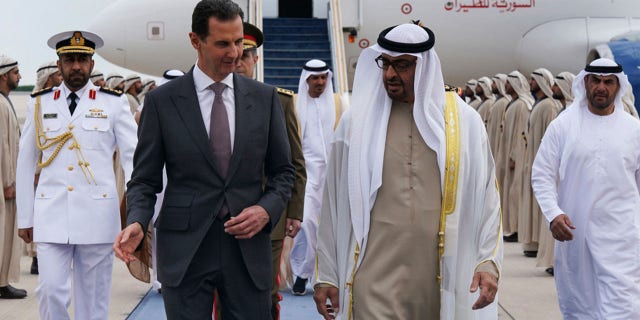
295	8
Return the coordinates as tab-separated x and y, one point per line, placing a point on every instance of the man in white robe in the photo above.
10	247
318	115
466	242
586	177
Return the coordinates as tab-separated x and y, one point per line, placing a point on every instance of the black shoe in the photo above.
299	287
549	271
10	292
34	266
531	254
511	238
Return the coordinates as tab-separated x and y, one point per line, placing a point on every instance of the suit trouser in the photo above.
88	267
217	264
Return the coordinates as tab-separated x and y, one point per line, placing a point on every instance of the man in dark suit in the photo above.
213	229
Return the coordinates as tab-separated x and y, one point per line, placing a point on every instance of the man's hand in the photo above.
561	228
248	223
292	227
127	242
10	193
320	296
26	234
488	285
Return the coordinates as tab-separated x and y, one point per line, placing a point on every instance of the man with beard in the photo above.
132	88
544	110
586	177
483	91
70	133
512	148
318	113
410	219
10	136
562	88
470	93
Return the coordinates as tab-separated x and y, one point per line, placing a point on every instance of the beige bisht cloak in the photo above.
10	248
512	150
530	213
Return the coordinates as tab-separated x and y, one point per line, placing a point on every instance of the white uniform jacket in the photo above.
68	205
472	230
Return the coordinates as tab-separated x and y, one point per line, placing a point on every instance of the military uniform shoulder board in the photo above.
41	92
111	91
285	91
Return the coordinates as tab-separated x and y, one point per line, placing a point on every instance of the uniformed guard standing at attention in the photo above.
71	132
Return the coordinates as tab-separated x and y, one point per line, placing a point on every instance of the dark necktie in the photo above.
220	137
73	104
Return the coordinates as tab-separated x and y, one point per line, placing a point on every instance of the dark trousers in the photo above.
217	265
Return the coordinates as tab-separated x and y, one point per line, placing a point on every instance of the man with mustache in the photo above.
318	113
70	133
410	219
586	177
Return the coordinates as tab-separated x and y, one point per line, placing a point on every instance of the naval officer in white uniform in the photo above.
71	132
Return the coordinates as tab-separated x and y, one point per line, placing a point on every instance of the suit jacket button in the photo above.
71	127
70	168
70	188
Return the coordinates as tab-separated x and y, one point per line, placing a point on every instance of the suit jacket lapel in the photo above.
189	110
243	109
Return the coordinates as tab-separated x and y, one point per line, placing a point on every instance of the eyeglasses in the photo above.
401	65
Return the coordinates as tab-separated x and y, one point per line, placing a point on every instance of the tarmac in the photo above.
526	292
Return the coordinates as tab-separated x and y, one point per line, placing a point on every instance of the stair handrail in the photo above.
336	38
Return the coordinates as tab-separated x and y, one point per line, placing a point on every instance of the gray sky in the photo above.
27	25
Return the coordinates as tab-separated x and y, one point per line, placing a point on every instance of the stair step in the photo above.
293	21
295	45
295	37
295	29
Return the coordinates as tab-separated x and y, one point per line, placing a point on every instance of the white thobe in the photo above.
315	148
588	167
473	230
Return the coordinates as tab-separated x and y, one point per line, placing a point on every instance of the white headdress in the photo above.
500	79
43	73
169	75
6	64
520	84
328	110
564	80
371	108
485	83
544	79
113	80
130	80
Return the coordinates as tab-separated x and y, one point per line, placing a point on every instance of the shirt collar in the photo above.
66	91
202	81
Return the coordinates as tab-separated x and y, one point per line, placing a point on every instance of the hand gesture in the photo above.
320	296
561	228
488	285
127	242
248	223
